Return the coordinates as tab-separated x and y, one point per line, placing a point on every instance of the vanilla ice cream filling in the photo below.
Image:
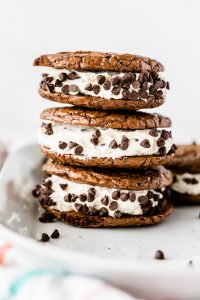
135	207
187	183
88	83
113	143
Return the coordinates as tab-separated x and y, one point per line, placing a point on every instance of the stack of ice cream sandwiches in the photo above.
105	157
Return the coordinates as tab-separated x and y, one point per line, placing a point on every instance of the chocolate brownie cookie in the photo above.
85	137
95	198
103	80
186	169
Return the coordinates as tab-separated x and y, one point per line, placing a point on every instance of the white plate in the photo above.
122	256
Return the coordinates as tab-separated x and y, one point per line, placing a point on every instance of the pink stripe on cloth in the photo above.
3	251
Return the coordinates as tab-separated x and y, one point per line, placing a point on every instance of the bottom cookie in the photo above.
79	219
184	199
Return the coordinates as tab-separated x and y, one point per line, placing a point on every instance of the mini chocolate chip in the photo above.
145	143
105	200
78	206
150	78
117	214
49	79
50	87
160	142
158	84
94	140
134	95
126	85
72	145
173	149
85	209
136	84
96	89
101	79
143	94
159	255
115	80
126	94
127	77
92	191
162	151
154	132
36	191
107	85
88	87
165	134
92	211
48	128
150	194
72	76
144	86
159	94
132	196
167	85
68	198
154	75
62	145
91	196
55	234
116	90
190	180
113	144
78	150
45	237
47	217
103	211
113	205
65	89
63	186
83	197
73	197
62	76
150	98
116	195
152	90
98	133
124	196
58	83
44	75
143	200
73	88
124	143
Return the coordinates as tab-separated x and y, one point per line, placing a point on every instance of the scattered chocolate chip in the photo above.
160	142
144	86
152	90
68	198
63	186
105	200
98	133
73	88
47	217
115	80
126	85
126	94
85	209
91	195
50	87
103	211
116	195
58	83
73	197
94	140
154	75
162	151
166	135
143	94
55	234
113	205
124	143
124	196
167	85
150	194
78	206
145	143
65	89
113	144
96	89
45	237
83	197
159	94
92	211
48	128
159	255
72	76
62	145
158	84
136	85
132	196
36	191
62	76
117	214
116	90
134	95
78	150
101	79
127	77
190	180
72	145
143	200
88	87
154	132
107	85
150	98
49	79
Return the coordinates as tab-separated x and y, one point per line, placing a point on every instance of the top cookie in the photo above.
186	159
99	61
